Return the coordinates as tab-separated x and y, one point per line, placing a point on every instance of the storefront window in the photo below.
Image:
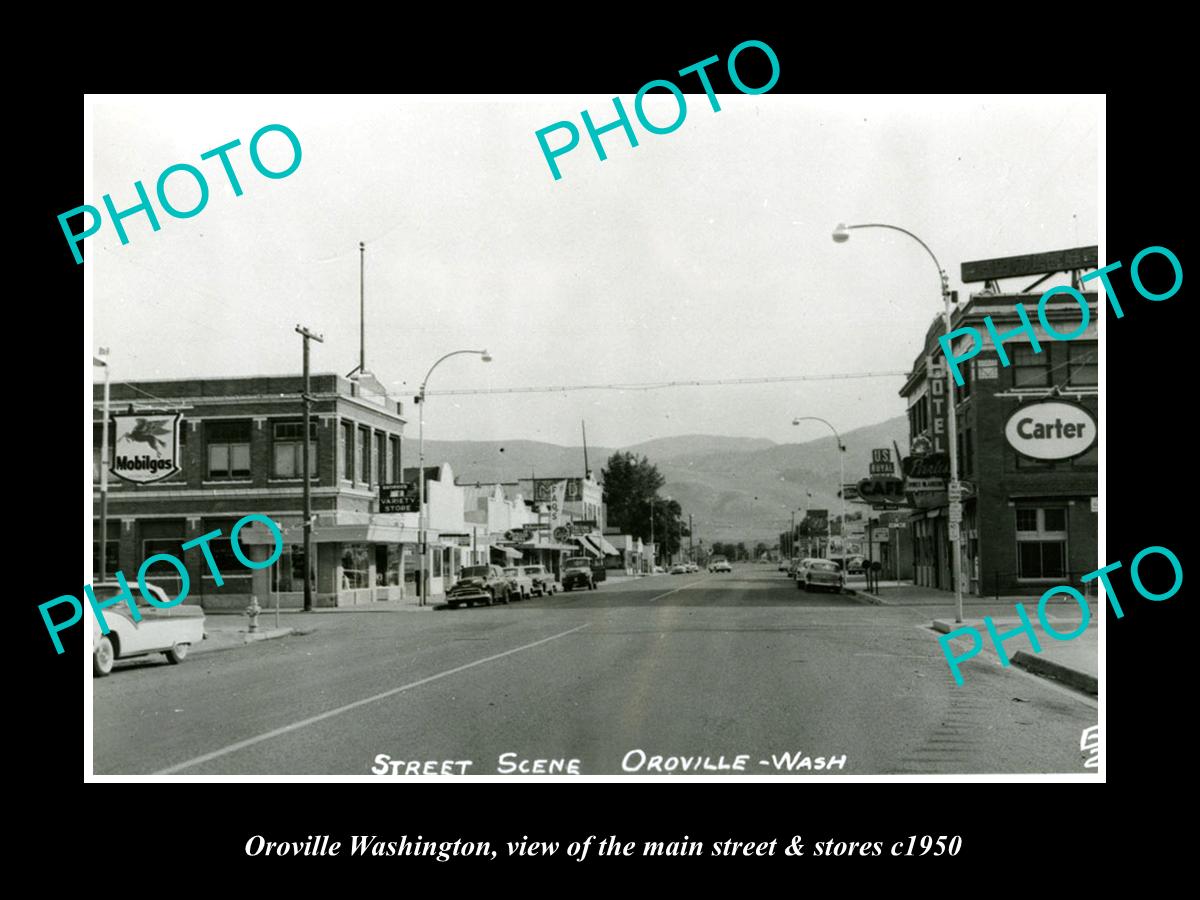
288	572
356	567
162	573
410	564
1041	542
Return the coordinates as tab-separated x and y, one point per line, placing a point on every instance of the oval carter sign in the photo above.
1051	430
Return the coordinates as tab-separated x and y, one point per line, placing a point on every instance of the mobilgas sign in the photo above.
145	447
1051	430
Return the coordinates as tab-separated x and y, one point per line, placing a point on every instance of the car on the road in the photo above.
824	574
855	565
679	569
692	567
577	572
793	564
543	580
719	564
520	584
783	565
172	631
479	584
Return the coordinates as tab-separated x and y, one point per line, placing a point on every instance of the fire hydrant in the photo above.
252	611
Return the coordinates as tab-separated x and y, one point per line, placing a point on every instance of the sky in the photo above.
701	254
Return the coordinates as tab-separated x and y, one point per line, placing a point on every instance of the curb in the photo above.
867	599
1056	671
241	639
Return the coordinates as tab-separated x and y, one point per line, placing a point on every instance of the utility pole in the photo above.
691	546
102	360
308	513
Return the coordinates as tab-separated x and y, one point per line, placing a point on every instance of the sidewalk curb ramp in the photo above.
1049	669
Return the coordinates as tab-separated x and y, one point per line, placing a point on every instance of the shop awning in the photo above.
585	542
508	552
325	534
533	546
608	548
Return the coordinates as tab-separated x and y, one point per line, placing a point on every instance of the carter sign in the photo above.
145	448
1052	430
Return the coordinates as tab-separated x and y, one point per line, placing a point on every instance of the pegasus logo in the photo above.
149	433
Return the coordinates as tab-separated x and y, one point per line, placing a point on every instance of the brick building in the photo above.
1029	516
240	449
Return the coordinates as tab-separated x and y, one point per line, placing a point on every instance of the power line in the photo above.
655	385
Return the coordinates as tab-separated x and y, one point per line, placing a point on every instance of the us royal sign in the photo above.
145	448
1051	430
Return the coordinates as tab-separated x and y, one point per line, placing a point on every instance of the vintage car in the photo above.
543	580
577	572
171	631
820	573
679	569
855	565
719	564
479	584
519	582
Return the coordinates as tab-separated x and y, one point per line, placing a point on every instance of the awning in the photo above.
585	541
608	548
508	551
533	546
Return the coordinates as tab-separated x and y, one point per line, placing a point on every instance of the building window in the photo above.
380	458
969	455
1082	366
347	450
288	572
363	472
112	551
289	449
162	573
228	449
1041	542
1029	369
394	459
356	567
387	564
963	391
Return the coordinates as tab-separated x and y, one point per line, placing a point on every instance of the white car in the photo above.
720	564
820	573
171	631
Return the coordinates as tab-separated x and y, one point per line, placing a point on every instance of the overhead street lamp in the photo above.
422	568
841	469
841	234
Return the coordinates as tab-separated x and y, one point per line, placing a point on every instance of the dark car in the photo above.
577	572
479	584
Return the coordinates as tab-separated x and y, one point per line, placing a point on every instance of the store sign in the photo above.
881	463
1051	430
925	493
400	497
881	490
1029	264
145	447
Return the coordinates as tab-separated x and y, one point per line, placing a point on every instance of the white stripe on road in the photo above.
678	589
303	723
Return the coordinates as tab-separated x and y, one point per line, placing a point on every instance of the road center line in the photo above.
303	723
680	588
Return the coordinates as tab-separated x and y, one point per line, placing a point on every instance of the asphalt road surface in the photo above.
707	670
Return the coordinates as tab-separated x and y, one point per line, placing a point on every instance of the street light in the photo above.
841	234
100	360
841	467
422	586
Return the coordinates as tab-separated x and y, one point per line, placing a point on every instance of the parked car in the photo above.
172	631
479	584
679	569
692	567
856	565
543	581
784	564
793	564
577	572
719	564
820	573
519	583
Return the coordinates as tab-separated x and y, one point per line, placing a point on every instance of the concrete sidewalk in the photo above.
226	632
1075	663
905	593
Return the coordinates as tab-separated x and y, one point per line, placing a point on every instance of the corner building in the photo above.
1029	504
240	450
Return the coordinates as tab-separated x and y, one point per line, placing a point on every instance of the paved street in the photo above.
707	666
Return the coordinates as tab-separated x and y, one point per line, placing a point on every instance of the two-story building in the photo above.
239	450
1026	445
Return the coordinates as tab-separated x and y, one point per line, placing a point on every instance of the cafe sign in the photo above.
1051	430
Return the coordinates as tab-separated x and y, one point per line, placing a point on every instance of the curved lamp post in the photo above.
841	470
841	234
422	568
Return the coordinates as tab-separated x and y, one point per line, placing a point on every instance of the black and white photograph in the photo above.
703	432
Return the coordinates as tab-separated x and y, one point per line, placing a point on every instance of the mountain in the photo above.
734	488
